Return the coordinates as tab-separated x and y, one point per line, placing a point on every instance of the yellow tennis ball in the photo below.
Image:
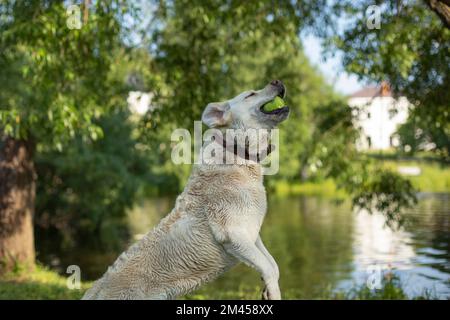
274	104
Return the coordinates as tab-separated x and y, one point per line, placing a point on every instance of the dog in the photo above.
215	223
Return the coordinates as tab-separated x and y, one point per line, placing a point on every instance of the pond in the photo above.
319	244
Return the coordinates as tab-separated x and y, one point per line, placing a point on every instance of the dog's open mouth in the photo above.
275	106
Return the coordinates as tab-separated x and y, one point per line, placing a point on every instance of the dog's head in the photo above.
245	110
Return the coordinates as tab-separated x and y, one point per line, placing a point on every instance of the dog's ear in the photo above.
217	114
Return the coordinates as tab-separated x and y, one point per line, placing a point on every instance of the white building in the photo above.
378	117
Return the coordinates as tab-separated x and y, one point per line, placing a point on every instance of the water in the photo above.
319	245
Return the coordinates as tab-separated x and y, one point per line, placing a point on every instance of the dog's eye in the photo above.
251	94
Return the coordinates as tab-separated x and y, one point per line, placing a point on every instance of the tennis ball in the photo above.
274	104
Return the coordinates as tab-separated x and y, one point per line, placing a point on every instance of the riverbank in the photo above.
44	284
431	176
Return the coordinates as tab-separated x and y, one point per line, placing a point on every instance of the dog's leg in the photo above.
247	252
260	245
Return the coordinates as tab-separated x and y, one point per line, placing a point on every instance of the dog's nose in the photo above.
280	86
276	83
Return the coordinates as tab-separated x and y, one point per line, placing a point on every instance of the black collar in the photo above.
238	150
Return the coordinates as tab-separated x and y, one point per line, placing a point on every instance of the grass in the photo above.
40	284
391	290
325	188
44	284
434	177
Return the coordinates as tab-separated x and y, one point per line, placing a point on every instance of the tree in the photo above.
211	51
90	182
55	84
410	50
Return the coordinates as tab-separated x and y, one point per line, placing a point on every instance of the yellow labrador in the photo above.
215	222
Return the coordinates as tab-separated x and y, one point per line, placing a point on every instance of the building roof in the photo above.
381	90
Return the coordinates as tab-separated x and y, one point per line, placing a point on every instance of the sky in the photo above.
331	68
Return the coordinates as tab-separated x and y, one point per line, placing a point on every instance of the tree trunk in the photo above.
442	9
17	195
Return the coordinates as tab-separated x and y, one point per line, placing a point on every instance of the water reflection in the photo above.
377	244
319	245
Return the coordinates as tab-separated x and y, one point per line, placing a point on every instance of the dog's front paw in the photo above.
271	292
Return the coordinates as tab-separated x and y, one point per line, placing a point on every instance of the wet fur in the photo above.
214	225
